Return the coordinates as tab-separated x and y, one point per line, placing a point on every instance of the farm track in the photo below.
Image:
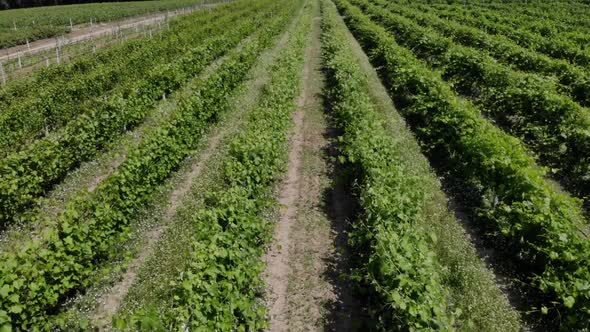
308	260
277	259
82	34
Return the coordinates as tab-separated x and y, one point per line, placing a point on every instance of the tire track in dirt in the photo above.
307	256
277	258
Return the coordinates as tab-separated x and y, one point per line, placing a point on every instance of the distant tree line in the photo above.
11	4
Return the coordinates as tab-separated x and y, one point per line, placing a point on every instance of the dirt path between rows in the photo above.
308	255
277	258
82	34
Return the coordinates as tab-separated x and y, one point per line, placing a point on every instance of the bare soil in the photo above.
113	165
308	257
277	258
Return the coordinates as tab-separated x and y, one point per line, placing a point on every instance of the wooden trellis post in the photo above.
57	52
2	74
